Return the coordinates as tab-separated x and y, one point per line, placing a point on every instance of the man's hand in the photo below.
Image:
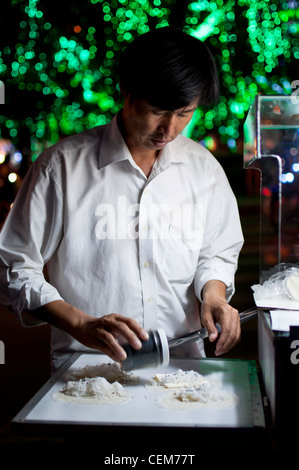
215	309
102	333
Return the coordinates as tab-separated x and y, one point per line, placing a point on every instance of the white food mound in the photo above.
179	379
95	384
189	389
103	384
90	390
110	370
205	393
98	387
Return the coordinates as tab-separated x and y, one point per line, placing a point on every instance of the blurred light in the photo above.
207	26
2	158
295	167
12	177
209	143
231	143
35	63
266	192
17	157
287	178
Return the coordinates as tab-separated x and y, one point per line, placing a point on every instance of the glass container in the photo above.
271	145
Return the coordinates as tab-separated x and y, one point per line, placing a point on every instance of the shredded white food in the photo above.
92	390
189	389
95	384
179	379
111	371
103	383
205	393
97	387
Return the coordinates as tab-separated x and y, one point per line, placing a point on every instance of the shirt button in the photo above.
145	228
149	299
146	264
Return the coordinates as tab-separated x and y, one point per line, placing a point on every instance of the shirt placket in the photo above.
146	260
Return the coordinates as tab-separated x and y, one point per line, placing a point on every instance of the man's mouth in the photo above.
160	142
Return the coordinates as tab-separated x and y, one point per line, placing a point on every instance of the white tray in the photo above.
237	376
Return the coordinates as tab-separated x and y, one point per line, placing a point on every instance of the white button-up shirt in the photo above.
116	241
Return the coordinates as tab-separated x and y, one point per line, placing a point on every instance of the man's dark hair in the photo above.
170	69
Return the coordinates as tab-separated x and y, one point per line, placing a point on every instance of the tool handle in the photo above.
244	316
202	333
248	314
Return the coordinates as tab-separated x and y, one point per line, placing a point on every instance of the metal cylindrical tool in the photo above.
154	352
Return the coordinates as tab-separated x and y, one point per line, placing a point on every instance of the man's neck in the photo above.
144	158
145	162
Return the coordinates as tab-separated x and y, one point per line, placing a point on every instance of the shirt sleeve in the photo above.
29	237
222	239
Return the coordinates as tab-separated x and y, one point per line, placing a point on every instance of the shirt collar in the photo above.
114	148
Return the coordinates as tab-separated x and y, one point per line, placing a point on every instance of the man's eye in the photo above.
159	113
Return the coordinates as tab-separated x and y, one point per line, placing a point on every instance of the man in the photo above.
133	221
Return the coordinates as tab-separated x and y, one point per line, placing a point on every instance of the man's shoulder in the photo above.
195	152
73	146
82	140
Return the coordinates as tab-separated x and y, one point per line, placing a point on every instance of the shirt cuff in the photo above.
226	274
27	298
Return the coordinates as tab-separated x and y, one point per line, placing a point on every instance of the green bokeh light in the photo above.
71	74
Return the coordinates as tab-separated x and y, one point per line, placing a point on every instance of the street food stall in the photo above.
271	136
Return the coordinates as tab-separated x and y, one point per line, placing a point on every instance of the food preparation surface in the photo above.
236	376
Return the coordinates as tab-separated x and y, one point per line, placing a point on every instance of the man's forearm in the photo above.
59	314
96	333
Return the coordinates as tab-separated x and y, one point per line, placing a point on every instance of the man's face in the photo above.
148	128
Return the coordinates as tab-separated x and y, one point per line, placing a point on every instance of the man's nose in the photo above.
167	125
